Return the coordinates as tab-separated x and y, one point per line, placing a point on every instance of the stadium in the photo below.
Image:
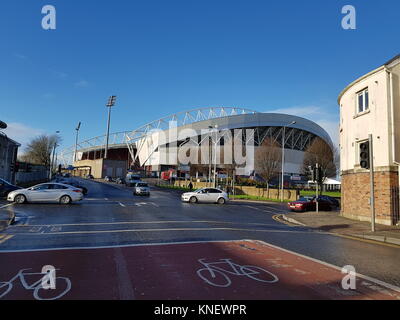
153	149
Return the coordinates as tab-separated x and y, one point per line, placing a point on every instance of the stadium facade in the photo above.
201	138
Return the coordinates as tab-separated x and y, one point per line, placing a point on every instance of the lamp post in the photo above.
109	105
76	140
283	157
52	160
214	156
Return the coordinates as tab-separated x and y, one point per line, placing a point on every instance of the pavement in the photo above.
114	245
333	222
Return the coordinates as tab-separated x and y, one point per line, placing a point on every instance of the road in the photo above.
160	248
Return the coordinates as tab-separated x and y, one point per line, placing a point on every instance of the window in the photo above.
362	101
41	187
213	191
57	187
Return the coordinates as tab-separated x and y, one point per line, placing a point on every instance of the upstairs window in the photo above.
362	101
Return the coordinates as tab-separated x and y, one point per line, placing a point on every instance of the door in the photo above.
39	193
213	195
203	196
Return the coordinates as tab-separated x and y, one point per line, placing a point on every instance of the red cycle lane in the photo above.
237	270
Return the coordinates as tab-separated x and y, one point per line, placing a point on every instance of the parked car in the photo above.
210	195
131	179
71	182
89	176
310	204
6	187
120	180
108	179
141	188
335	202
47	192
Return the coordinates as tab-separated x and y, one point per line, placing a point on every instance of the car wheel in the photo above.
65	200
193	200
20	199
221	201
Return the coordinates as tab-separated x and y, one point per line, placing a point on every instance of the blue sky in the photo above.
162	57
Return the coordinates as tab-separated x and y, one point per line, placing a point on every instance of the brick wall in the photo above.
356	196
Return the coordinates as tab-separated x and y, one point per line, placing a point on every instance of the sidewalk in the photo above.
332	222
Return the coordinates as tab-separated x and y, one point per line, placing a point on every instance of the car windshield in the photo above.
142	185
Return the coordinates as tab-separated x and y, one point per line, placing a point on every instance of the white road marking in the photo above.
148	222
358	275
7	205
122	205
384	284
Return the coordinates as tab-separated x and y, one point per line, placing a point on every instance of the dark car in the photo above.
309	204
73	183
335	202
6	188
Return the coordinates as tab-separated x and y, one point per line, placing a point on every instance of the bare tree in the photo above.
327	157
39	150
268	158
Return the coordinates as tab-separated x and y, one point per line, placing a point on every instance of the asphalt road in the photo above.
110	217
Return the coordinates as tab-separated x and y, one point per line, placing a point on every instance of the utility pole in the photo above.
215	156
317	178
76	140
52	160
283	157
371	172
109	105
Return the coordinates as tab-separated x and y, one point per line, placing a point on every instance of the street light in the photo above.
215	156
109	105
283	157
52	161
76	141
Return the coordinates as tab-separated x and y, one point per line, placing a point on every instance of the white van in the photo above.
131	179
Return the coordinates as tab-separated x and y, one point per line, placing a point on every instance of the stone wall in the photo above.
356	196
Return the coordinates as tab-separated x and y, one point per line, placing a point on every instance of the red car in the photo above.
309	204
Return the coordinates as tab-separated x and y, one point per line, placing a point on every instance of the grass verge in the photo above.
334	194
247	197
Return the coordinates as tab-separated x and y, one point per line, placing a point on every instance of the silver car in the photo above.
210	195
141	188
47	192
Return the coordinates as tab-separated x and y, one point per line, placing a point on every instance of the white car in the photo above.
210	195
141	188
47	192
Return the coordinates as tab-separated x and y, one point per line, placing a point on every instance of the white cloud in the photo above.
328	121
82	84
20	56
22	133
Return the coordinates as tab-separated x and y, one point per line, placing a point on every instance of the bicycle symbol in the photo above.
215	275
37	287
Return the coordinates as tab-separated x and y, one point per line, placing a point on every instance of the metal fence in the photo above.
25	177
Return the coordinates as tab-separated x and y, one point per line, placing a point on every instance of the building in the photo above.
371	105
8	157
206	132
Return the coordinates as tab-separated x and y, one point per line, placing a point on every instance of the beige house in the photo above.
371	105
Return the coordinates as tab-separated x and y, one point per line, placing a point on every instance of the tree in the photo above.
40	149
268	158
327	157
